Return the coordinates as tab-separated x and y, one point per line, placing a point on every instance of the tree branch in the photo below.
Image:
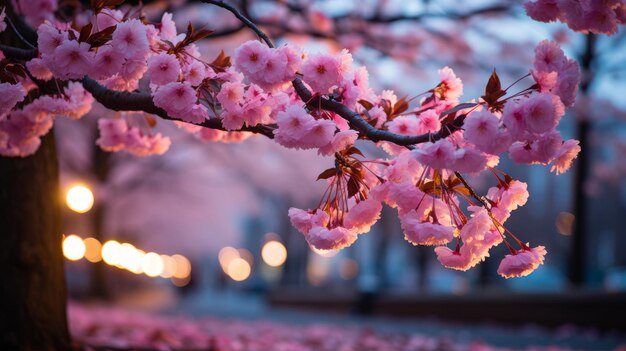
130	101
245	20
353	117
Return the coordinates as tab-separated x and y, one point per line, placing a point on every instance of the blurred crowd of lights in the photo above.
237	263
127	256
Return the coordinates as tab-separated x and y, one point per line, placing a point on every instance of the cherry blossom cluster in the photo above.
587	16
305	101
423	182
22	125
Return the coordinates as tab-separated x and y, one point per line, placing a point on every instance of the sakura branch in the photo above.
304	101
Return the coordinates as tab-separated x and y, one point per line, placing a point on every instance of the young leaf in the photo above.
84	33
353	187
331	172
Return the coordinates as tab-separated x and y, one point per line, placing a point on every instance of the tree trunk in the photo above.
33	291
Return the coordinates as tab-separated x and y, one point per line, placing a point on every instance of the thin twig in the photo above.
242	18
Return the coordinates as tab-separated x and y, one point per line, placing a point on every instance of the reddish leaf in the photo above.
368	105
353	187
151	120
102	37
331	172
85	32
457	108
353	150
493	92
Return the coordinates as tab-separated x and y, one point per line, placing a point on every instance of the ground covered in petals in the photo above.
104	328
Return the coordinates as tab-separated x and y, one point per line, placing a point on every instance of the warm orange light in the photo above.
93	250
180	282
169	266
226	255
79	199
183	266
274	253
73	248
238	269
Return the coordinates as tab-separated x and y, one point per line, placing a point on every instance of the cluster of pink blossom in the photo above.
423	183
118	50
116	134
595	16
21	127
104	327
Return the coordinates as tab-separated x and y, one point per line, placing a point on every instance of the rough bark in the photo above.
33	291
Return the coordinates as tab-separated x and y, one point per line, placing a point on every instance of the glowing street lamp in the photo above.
79	198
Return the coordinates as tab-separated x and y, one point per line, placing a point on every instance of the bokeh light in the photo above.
238	269
110	252
169	266
79	198
130	258
226	255
565	223
152	264
183	267
348	269
73	247
93	250
274	253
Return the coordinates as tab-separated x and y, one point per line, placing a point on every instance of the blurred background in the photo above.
203	230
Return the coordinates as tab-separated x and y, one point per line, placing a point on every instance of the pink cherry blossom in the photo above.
451	87
175	98
10	94
163	68
72	60
542	112
469	160
321	72
439	155
130	39
452	259
340	141
425	233
522	262
112	134
108	62
549	57
566	154
195	72
198	114
231	95
405	125
251	57
323	238
567	83
303	220
543	10
481	128
363	215
108	18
